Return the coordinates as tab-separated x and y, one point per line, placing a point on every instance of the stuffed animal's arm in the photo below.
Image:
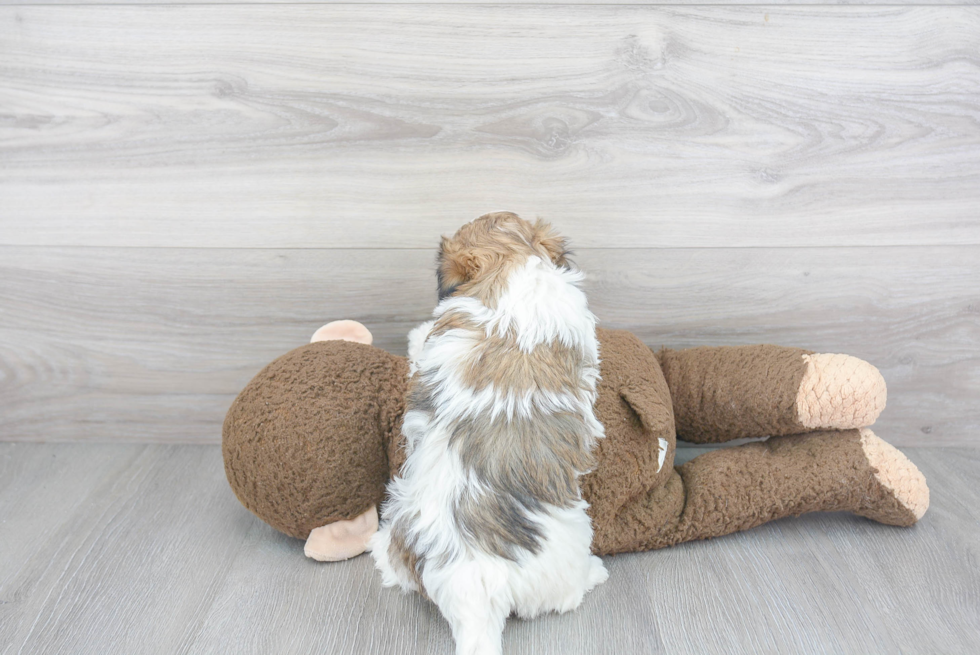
726	393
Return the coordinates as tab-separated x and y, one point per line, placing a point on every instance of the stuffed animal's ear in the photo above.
654	415
345	330
545	238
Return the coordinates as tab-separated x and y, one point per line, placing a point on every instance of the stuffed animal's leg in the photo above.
726	393
737	488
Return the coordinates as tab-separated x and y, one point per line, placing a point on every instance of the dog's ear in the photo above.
455	266
546	239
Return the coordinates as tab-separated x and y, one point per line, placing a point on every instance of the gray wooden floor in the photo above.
131	548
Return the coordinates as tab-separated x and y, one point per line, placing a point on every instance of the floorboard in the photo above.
144	548
146	344
762	3
135	565
310	126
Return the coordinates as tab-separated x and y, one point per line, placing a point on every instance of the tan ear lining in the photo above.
342	540
345	330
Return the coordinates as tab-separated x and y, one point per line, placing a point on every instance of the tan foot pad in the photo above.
342	539
839	392
906	496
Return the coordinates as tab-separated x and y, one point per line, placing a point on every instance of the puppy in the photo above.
486	516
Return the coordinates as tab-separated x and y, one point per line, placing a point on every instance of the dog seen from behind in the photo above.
486	516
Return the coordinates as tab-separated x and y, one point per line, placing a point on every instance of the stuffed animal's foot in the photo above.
839	392
342	540
899	495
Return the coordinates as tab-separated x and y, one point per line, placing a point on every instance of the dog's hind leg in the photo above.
474	598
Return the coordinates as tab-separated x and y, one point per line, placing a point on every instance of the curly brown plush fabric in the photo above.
633	404
316	435
726	393
305	443
725	491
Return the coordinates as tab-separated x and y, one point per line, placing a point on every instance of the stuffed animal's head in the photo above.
306	442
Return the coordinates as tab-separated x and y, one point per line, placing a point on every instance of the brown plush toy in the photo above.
312	440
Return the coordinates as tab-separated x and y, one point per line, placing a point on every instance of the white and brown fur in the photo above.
486	516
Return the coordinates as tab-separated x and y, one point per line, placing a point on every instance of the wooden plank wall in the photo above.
189	190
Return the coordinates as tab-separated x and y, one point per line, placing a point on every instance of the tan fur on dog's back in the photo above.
497	361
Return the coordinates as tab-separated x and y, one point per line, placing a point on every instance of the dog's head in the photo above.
477	258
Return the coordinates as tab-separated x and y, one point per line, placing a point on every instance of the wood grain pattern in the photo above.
355	126
134	566
762	3
153	344
131	548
